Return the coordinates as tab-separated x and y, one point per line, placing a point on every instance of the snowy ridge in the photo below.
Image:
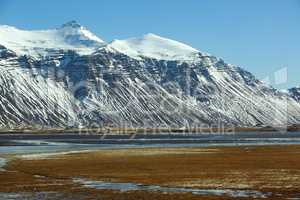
154	46
70	36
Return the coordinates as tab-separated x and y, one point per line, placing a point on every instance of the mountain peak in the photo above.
72	24
154	46
152	36
70	36
76	33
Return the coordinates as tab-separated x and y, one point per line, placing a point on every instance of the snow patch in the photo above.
48	155
153	46
39	142
3	162
37	43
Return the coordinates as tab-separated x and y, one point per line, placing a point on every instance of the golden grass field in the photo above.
273	169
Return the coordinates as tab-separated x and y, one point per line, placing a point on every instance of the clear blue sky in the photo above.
261	36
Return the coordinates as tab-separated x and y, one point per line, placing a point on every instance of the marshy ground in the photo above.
272	170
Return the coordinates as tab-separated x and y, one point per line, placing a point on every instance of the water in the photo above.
125	187
39	196
32	143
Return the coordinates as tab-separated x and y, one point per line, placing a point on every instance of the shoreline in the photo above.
111	130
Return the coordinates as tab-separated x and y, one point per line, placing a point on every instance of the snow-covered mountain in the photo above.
70	36
142	82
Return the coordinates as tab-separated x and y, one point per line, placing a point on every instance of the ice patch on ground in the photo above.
39	142
48	155
3	162
125	187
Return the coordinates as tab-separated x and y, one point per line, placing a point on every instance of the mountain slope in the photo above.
142	82
27	98
179	93
295	93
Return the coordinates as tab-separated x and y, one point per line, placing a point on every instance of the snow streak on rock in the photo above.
27	98
295	93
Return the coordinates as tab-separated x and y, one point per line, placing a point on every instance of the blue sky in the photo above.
262	36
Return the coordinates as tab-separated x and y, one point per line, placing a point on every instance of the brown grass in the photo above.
271	169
